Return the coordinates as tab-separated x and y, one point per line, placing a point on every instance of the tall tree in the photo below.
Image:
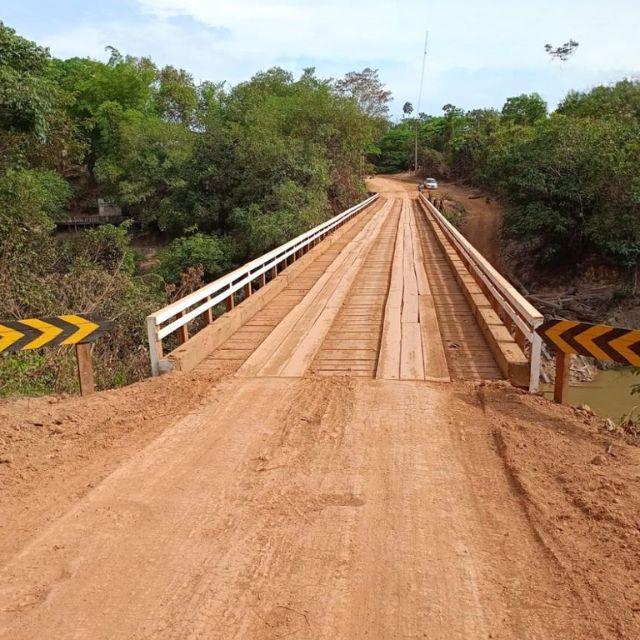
407	108
367	90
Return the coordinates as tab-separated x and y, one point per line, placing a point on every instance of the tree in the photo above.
177	96
146	165
407	108
621	100
24	91
367	90
563	52
524	109
564	188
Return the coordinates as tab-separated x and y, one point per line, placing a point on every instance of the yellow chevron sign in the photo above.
599	341
33	333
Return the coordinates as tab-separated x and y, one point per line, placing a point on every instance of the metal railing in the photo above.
176	316
520	317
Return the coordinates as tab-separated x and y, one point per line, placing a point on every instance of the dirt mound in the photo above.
579	484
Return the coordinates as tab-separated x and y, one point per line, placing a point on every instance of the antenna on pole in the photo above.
424	59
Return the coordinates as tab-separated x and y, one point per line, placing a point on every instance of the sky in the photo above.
479	53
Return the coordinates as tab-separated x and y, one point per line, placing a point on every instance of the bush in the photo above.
212	253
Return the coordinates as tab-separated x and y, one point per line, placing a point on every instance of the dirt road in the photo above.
482	220
334	507
323	508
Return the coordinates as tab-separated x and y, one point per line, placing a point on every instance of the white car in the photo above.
431	184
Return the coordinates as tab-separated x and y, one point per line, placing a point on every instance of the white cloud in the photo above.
479	51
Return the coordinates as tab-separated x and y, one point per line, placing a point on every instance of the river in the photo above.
609	394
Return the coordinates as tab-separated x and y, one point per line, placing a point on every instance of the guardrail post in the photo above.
230	302
563	369
155	346
248	290
85	368
207	316
183	331
536	355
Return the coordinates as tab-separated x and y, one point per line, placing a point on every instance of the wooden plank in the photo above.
563	369
391	341
411	359
410	283
434	357
419	263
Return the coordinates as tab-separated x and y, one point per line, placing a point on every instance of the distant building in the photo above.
108	209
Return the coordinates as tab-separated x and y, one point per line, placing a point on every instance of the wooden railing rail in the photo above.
175	318
520	317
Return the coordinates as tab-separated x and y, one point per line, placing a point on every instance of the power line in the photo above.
424	60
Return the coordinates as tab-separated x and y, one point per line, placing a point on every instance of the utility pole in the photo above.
424	59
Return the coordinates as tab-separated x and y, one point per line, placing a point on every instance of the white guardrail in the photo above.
518	314
176	316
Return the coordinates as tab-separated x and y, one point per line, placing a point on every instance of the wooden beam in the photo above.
207	316
183	331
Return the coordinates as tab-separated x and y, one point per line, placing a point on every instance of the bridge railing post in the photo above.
155	346
535	360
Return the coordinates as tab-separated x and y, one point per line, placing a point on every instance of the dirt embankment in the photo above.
481	219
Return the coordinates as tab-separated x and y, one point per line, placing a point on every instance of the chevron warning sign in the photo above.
598	341
33	333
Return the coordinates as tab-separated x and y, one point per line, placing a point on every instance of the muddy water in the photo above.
608	395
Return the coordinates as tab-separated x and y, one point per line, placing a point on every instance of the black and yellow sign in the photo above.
598	341
33	333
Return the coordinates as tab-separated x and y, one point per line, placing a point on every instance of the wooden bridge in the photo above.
388	289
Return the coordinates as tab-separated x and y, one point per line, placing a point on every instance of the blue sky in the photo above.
479	52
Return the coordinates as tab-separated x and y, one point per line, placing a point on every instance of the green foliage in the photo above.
524	109
146	165
209	252
394	150
620	101
107	247
570	181
574	184
30	201
24	100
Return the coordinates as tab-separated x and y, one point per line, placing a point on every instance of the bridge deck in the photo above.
381	301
